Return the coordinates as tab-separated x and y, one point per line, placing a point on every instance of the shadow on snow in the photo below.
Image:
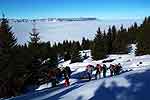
59	95
138	90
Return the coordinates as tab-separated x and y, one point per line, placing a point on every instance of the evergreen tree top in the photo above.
7	37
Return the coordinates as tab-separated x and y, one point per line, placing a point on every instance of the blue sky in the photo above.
106	9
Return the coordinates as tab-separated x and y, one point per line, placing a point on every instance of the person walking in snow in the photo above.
104	68
98	71
89	71
66	77
67	83
68	70
58	74
118	69
112	69
115	69
52	76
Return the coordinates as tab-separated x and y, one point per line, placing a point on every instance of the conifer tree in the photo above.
98	50
75	54
34	38
34	43
121	41
7	37
114	38
12	69
109	40
85	44
105	40
7	44
35	54
143	40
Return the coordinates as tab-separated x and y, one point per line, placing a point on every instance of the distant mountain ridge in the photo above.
52	19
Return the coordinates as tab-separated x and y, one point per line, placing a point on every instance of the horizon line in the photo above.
97	18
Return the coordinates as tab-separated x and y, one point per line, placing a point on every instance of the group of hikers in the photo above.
57	74
65	73
102	69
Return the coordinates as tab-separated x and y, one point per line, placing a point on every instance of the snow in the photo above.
130	85
64	64
85	52
133	49
44	86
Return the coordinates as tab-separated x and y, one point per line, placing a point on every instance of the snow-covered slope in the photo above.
130	85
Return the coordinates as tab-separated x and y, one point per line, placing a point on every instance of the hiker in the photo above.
115	69
68	70
52	76
112	69
58	74
118	69
67	83
89	71
104	68
98	71
66	77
